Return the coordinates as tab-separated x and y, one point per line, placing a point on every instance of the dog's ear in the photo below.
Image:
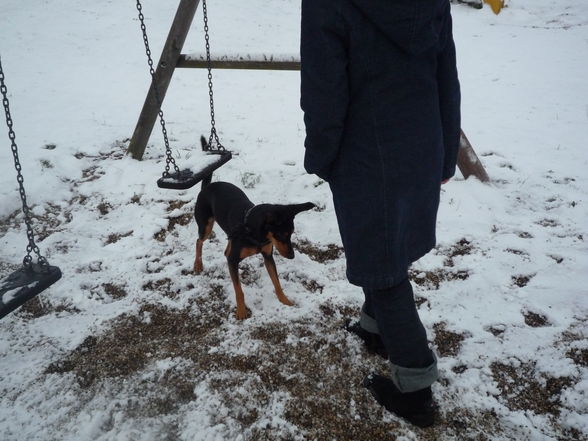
298	208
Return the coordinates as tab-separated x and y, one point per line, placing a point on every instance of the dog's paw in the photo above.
243	313
198	268
286	301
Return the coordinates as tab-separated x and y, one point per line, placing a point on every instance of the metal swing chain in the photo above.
168	153
219	147
32	246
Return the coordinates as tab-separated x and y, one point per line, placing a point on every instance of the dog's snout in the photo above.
285	250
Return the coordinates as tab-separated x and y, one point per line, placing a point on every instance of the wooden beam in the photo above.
239	62
165	70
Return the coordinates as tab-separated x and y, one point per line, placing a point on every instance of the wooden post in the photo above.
165	69
468	162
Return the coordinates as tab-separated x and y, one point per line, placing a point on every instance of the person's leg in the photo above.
413	364
367	318
414	367
367	329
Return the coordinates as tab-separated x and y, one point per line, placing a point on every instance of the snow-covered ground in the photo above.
130	345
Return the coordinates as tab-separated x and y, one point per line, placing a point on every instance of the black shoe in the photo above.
415	407
373	342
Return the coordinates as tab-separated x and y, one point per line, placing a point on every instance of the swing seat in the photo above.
187	178
24	284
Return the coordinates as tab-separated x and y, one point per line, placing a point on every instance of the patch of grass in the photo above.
273	333
115	291
448	343
523	388
45	163
525	235
461	248
465	424
164	286
115	237
312	286
548	223
134	341
10	222
50	221
317	253
175	205
39	307
521	280
306	362
322	404
496	330
558	259
92	173
333	311
460	369
160	235
432	279
136	199
117	152
183	220
248	274
104	208
535	320
579	356
516	252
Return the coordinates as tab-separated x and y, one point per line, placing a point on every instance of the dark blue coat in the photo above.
381	98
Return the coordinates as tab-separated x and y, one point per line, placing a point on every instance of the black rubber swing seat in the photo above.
187	178
24	284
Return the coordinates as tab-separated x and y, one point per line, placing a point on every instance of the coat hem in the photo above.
388	280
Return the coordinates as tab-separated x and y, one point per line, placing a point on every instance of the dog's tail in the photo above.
205	146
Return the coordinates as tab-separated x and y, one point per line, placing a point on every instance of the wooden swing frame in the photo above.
171	58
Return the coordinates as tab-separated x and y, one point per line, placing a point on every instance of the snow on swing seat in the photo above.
24	284
206	164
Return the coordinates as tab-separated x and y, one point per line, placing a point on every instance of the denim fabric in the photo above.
367	321
413	379
394	313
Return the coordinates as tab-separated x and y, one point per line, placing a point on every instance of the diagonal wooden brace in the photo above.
163	74
468	162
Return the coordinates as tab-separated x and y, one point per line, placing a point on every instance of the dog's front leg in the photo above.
239	294
270	265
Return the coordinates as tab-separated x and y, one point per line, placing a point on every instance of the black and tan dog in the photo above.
251	229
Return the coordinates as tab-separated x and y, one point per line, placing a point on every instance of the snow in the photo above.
247	57
77	77
10	294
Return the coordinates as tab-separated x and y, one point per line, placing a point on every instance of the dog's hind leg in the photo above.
270	265
204	231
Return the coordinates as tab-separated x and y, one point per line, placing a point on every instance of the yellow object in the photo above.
496	5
